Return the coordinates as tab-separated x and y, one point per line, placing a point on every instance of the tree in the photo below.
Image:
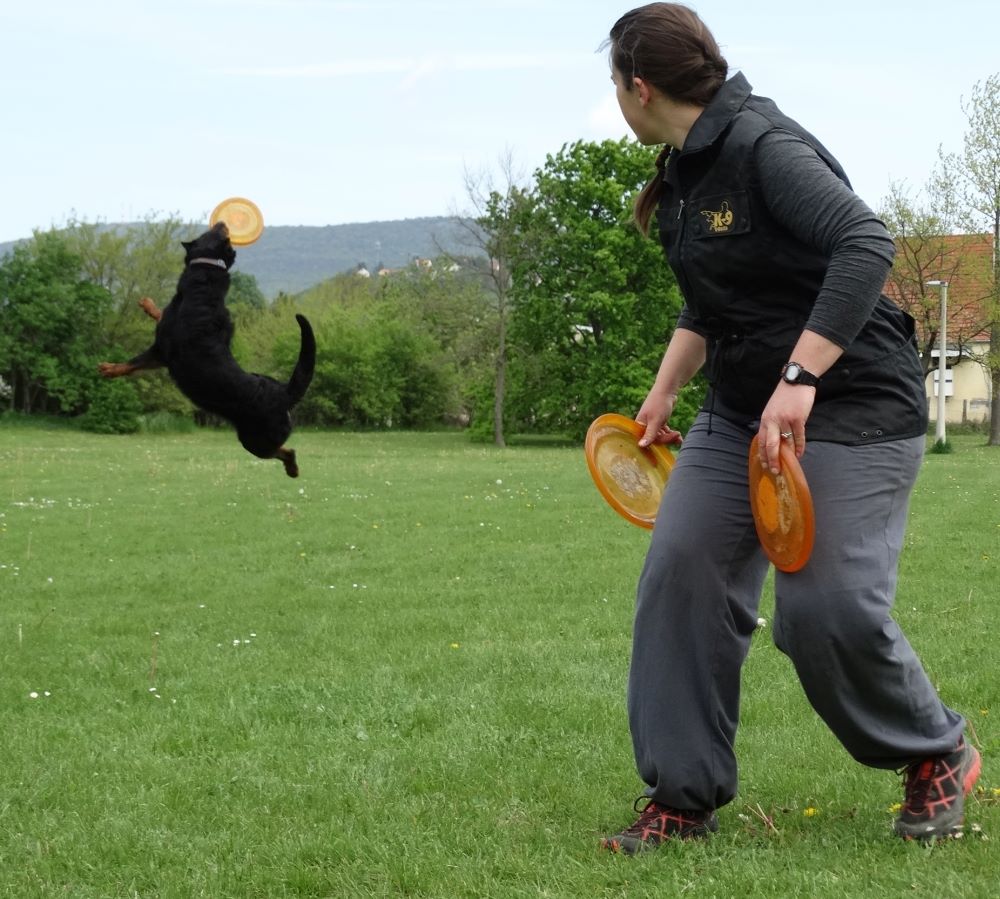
448	303
498	212
973	176
130	262
927	250
50	322
594	300
245	292
375	370
139	260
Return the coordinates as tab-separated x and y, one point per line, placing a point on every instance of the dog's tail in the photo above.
299	381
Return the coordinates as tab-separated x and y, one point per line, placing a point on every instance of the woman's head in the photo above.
669	47
665	46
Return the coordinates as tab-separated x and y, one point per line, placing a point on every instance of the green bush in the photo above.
114	408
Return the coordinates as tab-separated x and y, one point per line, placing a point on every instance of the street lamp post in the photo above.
942	358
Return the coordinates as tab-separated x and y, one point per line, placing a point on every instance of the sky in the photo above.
327	112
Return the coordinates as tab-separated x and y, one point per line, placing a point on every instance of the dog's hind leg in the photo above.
143	362
148	306
287	457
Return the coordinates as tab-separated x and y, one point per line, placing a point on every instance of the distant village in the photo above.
416	262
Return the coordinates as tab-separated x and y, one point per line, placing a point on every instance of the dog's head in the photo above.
213	244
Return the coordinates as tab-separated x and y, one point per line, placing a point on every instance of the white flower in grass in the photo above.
32	695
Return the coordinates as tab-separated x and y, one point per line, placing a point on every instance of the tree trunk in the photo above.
500	384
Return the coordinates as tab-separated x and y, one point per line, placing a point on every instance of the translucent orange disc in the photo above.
631	478
782	509
242	217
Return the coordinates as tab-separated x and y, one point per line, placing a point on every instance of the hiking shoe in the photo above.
658	823
935	788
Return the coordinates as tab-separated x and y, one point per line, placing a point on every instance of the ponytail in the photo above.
648	198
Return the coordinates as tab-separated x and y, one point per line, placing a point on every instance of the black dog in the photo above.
192	340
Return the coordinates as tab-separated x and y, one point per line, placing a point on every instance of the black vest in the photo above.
749	286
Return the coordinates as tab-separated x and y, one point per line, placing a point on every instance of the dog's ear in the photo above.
187	244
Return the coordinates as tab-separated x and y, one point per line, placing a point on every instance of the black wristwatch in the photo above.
793	373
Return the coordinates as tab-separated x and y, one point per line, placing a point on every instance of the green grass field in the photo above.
403	675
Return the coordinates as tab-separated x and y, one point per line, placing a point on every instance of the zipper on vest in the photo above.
680	210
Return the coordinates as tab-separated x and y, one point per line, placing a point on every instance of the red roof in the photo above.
965	261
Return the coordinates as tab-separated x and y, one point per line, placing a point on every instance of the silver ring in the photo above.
786	435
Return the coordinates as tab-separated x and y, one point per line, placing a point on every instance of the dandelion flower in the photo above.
810	811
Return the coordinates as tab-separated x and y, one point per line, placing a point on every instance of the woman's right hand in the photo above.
655	414
685	354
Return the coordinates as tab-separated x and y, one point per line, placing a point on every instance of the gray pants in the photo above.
697	608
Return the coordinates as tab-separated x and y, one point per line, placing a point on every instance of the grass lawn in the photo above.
403	675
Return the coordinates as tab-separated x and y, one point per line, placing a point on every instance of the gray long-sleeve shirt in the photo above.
808	199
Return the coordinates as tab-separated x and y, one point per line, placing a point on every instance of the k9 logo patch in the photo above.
719	220
722	215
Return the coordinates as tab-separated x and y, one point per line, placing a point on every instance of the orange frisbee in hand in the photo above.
782	509
242	217
631	478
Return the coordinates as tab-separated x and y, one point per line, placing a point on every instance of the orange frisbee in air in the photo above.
242	217
782	509
631	478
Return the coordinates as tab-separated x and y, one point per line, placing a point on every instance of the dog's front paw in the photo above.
109	369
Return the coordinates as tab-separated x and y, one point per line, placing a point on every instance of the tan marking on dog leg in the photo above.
148	305
115	369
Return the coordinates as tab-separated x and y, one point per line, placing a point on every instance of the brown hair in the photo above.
667	45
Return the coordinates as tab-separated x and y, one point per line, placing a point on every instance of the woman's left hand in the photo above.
784	418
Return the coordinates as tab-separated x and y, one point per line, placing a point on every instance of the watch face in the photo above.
792	372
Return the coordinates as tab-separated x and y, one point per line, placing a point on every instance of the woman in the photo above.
781	268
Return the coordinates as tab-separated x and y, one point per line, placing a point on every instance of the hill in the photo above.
292	258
